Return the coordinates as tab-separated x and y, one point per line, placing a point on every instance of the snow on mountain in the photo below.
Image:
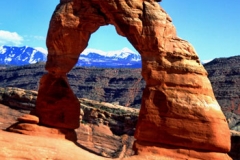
20	55
87	51
2	50
124	53
124	58
206	61
40	49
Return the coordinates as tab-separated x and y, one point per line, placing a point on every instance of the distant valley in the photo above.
123	86
114	82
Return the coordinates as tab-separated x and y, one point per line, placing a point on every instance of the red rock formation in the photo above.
16	146
28	125
179	110
57	106
235	145
97	139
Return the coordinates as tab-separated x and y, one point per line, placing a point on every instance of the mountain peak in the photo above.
108	53
10	55
125	49
40	49
124	58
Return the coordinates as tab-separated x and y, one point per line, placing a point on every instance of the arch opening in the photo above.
112	70
107	49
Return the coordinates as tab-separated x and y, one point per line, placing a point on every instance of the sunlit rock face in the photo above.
179	111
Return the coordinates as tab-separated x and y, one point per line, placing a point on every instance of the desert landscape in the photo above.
173	107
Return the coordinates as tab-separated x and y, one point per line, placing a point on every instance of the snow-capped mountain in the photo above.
206	61
124	58
20	55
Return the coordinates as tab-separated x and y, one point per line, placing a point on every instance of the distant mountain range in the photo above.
125	85
124	58
18	56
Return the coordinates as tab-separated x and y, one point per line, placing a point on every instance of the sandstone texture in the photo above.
178	105
106	129
17	147
29	119
28	125
179	117
56	105
51	148
224	76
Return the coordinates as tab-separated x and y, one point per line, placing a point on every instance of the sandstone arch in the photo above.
179	116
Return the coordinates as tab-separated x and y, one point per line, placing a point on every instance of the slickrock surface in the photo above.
8	116
105	130
28	125
178	105
17	147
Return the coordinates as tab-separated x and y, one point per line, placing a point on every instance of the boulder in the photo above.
28	118
42	131
28	125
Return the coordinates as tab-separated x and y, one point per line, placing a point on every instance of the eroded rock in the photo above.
178	105
29	125
28	118
112	138
56	104
87	136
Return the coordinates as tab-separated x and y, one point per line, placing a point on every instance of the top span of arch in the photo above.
143	22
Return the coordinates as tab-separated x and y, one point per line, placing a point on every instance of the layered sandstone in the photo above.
106	129
57	106
16	146
179	110
94	134
29	125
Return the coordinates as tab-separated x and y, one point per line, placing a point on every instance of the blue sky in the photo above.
212	27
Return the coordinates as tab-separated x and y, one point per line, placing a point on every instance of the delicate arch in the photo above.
178	104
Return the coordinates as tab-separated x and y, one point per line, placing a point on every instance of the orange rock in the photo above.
178	104
56	104
28	118
16	146
161	151
36	130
